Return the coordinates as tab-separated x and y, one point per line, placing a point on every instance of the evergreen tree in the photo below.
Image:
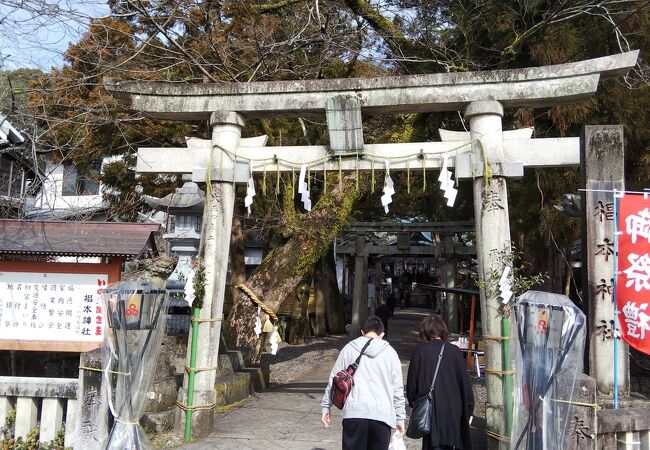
241	41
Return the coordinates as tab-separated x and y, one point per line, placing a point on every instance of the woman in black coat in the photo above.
453	400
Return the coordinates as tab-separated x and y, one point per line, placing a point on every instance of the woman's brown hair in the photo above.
433	327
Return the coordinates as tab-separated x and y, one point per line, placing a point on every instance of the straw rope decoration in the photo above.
365	155
185	407
257	301
461	148
94	369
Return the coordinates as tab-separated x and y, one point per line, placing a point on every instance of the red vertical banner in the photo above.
633	270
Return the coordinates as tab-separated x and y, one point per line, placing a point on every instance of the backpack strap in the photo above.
356	362
435	375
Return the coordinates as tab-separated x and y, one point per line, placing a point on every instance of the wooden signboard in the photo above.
53	306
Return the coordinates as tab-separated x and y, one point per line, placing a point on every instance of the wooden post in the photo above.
471	328
379	293
450	311
359	302
461	313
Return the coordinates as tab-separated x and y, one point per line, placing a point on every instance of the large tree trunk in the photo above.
237	262
332	294
300	326
284	267
320	296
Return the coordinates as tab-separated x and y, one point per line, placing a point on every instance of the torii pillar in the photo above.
226	133
492	238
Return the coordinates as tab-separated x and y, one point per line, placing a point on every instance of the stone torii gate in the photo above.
488	157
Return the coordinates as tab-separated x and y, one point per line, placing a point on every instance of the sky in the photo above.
36	33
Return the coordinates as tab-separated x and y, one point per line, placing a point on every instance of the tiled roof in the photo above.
77	238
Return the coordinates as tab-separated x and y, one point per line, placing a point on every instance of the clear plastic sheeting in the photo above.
548	347
135	313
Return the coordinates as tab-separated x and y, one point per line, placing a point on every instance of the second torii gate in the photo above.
362	250
488	157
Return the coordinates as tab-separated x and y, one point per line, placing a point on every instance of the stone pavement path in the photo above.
288	416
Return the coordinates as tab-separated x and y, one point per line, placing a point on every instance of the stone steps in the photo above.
418	299
234	383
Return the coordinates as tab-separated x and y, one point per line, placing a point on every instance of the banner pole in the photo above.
615	325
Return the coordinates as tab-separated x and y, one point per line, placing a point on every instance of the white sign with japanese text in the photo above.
52	306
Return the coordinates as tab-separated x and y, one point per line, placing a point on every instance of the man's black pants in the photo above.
365	434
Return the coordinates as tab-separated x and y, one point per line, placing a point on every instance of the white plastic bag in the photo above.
397	442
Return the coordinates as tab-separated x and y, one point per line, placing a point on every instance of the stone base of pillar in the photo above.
91	425
584	422
494	422
202	420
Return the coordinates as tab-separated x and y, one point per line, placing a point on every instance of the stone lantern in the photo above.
184	209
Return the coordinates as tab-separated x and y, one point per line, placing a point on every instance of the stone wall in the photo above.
168	379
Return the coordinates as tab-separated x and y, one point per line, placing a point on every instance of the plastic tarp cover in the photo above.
548	339
136	312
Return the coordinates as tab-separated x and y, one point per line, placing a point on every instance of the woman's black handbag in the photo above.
420	420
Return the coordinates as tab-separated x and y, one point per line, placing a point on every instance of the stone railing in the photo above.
623	429
44	401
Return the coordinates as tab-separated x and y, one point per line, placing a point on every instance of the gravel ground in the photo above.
292	361
480	395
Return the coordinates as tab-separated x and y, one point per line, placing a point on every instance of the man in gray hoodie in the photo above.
376	402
